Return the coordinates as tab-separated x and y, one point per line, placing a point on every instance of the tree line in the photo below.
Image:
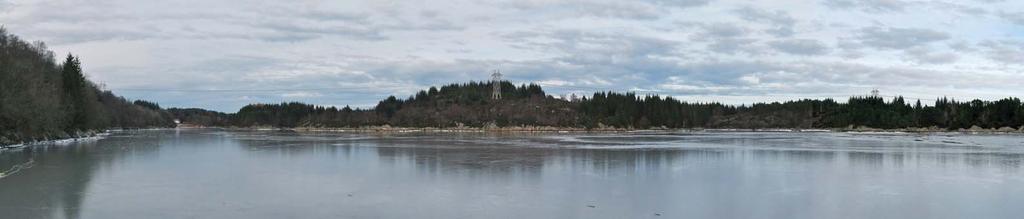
41	98
453	105
469	104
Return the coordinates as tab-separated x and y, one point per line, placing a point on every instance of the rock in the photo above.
975	128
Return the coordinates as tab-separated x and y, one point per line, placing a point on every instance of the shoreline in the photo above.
528	129
569	130
90	135
78	136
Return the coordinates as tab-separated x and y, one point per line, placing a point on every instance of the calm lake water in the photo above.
230	174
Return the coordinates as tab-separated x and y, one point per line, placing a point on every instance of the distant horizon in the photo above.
837	98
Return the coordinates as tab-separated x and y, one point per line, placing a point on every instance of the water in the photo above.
225	174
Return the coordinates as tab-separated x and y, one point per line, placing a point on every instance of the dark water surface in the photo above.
226	174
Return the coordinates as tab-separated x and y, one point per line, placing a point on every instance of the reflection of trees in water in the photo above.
637	162
57	183
471	161
531	155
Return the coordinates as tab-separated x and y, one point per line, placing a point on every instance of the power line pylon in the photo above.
496	81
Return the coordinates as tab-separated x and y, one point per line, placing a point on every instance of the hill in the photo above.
43	99
470	105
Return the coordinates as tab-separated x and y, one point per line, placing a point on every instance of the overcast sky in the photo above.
222	55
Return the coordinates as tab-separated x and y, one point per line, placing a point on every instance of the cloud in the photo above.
899	38
800	46
925	55
727	38
5	6
959	8
643	10
1013	17
781	23
1010	52
872	6
722	30
301	94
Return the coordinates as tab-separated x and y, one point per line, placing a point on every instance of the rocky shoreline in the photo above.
548	129
77	136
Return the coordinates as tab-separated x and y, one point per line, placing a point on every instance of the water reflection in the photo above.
222	174
57	182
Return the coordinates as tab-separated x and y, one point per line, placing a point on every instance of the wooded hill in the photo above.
43	99
469	104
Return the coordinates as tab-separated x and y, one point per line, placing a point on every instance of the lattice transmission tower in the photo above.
496	81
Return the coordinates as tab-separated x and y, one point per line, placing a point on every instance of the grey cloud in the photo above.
77	23
1009	52
302	31
888	6
962	46
564	3
925	55
849	48
1013	17
899	38
594	47
815	78
765	78
644	10
726	38
800	46
67	35
872	6
619	10
734	46
5	6
601	59
682	3
722	30
195	75
959	8
781	22
323	15
614	55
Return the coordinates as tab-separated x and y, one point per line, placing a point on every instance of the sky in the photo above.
222	55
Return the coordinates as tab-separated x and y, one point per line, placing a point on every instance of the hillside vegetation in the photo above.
470	105
41	98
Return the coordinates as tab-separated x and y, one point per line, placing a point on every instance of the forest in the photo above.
41	98
470	105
